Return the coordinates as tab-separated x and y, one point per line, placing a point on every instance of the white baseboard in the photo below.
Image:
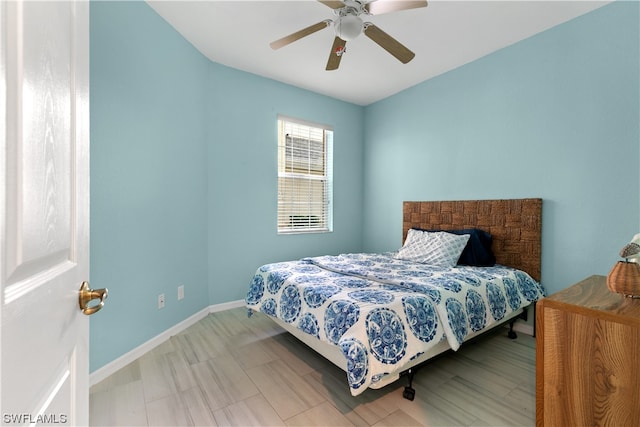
122	361
226	306
523	327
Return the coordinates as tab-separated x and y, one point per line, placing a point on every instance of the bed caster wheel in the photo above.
512	335
409	393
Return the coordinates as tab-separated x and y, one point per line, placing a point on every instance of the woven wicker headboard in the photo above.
515	226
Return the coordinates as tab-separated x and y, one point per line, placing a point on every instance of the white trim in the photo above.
110	368
226	306
525	328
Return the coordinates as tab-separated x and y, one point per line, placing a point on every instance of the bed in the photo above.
377	316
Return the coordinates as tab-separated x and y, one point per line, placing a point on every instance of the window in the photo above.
304	177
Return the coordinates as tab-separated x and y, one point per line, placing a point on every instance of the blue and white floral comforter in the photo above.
383	312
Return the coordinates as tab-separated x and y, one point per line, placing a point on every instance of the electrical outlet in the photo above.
161	301
180	292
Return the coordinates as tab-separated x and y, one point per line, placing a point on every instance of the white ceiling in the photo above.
444	35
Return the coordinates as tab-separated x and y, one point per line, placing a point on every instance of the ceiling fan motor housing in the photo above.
348	27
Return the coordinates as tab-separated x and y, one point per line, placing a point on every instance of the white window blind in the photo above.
304	177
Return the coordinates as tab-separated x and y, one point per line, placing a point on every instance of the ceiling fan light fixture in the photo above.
348	27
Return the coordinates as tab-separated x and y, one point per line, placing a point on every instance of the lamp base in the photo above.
624	278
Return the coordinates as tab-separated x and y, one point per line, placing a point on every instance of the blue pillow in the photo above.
478	251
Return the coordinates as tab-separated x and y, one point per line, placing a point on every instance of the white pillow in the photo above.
436	248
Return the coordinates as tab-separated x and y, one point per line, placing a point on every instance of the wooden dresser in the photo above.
588	357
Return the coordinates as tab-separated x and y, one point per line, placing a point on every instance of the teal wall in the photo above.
242	116
555	116
183	176
148	176
183	160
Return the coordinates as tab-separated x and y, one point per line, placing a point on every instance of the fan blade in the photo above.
299	34
334	59
378	7
388	43
333	4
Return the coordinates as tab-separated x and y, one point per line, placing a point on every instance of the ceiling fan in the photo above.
348	25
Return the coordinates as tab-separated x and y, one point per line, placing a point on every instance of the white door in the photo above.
44	211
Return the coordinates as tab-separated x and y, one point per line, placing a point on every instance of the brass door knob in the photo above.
87	295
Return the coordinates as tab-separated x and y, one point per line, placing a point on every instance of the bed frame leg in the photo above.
524	316
409	392
512	334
